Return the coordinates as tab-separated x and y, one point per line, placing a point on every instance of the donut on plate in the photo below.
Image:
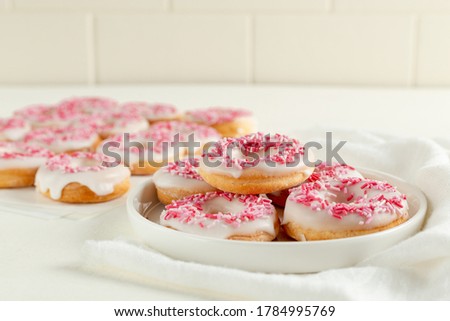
229	122
342	207
13	129
19	163
82	178
223	215
180	179
153	112
255	164
64	139
322	171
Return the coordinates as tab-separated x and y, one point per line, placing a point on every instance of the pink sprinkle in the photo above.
217	115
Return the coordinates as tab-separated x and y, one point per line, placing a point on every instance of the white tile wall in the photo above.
355	42
91	5
162	48
392	6
224	6
434	52
43	48
340	49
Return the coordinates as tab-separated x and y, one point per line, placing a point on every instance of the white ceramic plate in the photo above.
144	210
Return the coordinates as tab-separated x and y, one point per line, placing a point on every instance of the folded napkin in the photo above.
415	269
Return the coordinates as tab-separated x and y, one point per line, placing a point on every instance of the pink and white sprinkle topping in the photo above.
150	110
80	162
186	168
39	113
217	115
19	150
361	196
50	136
256	148
190	209
336	170
185	128
87	105
12	123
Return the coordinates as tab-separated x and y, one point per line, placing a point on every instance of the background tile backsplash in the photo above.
317	42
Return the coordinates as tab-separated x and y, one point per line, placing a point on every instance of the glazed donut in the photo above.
180	179
229	122
64	139
200	134
343	207
13	129
42	116
82	178
19	163
153	112
223	215
255	164
322	171
87	106
147	151
122	122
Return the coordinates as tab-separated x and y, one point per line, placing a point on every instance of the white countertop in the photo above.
39	259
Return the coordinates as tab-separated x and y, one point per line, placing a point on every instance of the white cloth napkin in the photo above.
415	269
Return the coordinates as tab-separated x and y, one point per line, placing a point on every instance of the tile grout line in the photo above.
9	5
331	7
251	42
415	39
91	49
168	6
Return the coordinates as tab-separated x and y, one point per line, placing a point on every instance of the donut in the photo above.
146	152
229	122
343	207
153	112
64	139
87	106
223	215
255	164
322	171
180	179
41	116
82	178
12	129
19	163
200	134
122	122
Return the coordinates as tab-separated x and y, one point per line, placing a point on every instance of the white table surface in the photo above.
40	259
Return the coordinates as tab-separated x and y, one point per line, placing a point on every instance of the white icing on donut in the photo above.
19	155
83	168
151	111
63	139
122	122
344	204
13	129
182	175
221	215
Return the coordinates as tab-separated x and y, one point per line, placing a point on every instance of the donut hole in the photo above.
222	205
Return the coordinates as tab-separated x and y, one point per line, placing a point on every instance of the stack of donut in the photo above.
223	194
61	148
233	182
